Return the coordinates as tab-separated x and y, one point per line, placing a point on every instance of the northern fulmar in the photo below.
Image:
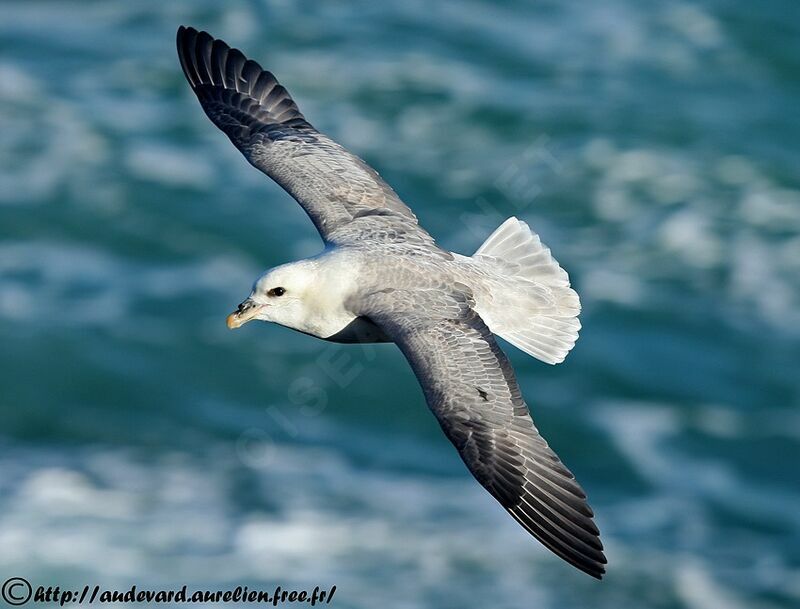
383	278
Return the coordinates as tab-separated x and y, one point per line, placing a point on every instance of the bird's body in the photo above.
342	277
383	278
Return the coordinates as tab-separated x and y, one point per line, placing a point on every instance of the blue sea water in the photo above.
653	146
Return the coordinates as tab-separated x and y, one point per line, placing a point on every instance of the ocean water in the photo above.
653	146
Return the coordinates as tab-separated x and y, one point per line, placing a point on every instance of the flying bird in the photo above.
383	278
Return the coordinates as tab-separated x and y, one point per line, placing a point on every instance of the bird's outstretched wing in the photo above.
263	122
470	386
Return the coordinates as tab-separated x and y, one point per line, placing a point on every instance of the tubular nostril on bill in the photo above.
244	306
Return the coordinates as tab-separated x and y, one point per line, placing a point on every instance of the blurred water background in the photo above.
654	146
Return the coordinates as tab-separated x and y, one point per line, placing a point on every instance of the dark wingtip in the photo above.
222	73
179	36
183	38
598	571
194	51
596	568
183	30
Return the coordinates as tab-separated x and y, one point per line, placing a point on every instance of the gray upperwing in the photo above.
258	115
470	386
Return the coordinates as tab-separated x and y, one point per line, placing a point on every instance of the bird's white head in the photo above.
280	295
295	295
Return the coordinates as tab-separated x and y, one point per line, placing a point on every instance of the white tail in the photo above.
532	305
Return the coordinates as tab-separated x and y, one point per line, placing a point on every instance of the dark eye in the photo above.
276	292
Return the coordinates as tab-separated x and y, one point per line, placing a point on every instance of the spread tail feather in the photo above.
532	306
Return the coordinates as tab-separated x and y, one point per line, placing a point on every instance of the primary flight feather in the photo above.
382	278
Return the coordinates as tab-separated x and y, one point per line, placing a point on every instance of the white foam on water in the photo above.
119	519
698	590
171	165
38	281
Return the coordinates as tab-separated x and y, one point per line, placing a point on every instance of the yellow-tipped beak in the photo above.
246	311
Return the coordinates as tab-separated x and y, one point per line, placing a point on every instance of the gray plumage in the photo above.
382	277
